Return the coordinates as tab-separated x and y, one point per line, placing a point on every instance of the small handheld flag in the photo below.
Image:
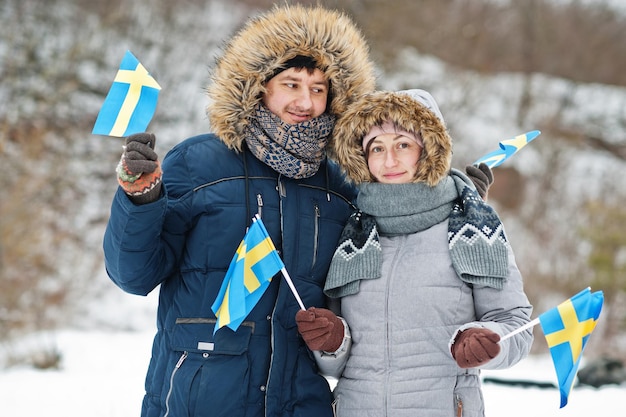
249	275
567	328
507	149
131	101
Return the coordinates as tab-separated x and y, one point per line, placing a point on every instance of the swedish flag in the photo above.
507	148
249	275
567	328
131	101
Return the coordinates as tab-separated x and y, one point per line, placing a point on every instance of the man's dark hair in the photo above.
299	61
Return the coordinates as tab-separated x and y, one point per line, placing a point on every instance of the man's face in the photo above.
295	95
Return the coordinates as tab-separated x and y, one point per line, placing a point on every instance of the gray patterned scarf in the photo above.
476	238
295	151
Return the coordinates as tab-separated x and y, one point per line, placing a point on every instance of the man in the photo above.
275	93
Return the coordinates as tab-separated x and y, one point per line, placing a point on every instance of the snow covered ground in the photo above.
102	374
102	370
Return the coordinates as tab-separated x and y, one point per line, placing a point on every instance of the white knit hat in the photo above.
421	96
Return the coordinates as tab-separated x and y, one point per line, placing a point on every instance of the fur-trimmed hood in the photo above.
266	43
412	110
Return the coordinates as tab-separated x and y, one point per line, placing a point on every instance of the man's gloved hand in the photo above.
139	155
320	328
482	177
139	170
474	347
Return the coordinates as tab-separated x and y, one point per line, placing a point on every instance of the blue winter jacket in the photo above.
185	241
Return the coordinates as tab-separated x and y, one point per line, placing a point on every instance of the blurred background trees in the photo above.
496	67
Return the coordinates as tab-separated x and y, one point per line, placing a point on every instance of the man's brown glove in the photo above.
139	155
139	170
474	347
320	328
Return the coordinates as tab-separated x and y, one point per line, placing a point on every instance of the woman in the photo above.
426	277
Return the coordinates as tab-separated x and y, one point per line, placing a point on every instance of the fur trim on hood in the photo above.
411	110
266	43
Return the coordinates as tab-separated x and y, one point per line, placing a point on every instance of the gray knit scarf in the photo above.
476	238
295	151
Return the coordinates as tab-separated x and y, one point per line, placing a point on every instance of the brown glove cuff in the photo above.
141	189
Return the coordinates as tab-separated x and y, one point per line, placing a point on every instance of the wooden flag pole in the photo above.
293	287
521	329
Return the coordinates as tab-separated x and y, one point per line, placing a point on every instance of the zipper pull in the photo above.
181	360
259	203
459	407
281	189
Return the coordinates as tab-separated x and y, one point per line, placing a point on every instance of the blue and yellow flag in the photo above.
567	328
249	275
131	101
507	149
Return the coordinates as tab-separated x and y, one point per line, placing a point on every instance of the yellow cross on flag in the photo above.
567	328
249	275
131	101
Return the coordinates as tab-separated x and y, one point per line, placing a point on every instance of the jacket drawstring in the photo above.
245	173
327	181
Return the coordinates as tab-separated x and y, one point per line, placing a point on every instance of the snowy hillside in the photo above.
57	61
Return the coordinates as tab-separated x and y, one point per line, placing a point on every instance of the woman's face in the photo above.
393	158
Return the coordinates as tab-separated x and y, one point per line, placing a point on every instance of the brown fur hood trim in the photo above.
405	111
266	43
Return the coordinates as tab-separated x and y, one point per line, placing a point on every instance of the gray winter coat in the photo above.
401	324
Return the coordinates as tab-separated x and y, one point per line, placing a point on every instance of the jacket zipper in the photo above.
316	234
459	406
281	194
269	374
388	330
169	392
